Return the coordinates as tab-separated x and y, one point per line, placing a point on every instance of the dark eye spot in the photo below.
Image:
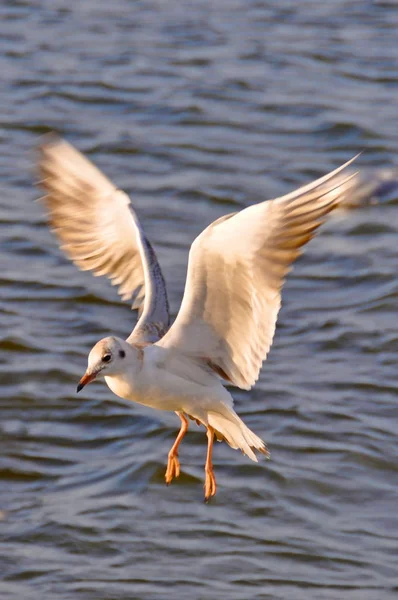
106	358
122	353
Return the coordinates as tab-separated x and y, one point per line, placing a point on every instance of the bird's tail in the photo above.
229	427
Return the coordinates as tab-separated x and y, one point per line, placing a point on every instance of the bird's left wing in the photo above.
236	271
99	231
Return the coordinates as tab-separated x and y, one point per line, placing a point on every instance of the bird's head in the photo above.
107	358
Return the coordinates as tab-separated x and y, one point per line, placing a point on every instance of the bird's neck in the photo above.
125	382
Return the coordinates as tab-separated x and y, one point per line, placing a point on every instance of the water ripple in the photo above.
199	109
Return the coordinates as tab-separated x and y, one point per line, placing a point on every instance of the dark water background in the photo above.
198	109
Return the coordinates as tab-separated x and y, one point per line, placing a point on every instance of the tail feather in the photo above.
231	428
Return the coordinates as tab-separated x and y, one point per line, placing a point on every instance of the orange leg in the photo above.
210	481
173	464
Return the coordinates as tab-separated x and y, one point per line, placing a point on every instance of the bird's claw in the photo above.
210	485
173	468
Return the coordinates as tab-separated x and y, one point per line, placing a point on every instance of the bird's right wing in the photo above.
236	271
99	231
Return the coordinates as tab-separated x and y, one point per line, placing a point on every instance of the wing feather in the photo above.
236	271
100	232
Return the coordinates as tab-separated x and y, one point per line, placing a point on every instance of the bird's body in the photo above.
159	379
226	323
164	380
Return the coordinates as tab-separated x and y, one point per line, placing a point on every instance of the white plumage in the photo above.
226	323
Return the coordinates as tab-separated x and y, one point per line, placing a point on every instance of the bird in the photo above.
226	322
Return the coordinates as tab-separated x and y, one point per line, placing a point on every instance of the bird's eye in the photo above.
122	353
106	358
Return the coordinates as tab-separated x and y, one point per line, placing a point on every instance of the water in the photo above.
198	109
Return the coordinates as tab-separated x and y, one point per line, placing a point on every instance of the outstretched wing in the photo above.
236	271
100	232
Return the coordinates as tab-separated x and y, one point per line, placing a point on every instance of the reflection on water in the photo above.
198	109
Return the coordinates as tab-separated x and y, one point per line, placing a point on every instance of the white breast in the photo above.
167	381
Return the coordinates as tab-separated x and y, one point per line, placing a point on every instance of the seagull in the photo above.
226	323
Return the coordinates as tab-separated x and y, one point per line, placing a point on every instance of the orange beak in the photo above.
87	378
